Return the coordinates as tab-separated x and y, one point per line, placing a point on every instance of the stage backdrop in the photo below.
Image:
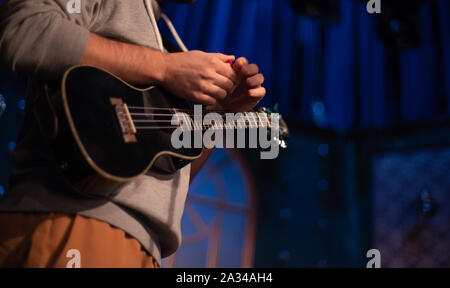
340	75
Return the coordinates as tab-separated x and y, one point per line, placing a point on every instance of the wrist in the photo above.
156	65
165	68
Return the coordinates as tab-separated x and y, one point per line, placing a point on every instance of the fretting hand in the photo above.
248	91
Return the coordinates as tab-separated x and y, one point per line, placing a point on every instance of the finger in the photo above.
225	58
249	70
205	99
240	62
214	91
227	71
257	92
255	81
225	83
244	105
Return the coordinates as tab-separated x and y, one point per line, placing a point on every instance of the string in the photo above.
245	121
244	115
175	109
239	123
236	123
187	113
191	130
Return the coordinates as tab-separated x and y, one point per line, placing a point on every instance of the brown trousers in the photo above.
49	240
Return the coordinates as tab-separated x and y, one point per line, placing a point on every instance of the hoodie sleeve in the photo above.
41	38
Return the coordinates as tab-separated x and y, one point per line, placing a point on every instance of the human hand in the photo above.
248	92
204	78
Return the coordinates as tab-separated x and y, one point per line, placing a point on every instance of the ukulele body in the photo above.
96	134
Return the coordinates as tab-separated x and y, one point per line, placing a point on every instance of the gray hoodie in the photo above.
42	39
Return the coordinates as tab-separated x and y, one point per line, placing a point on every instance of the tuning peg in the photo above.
268	111
280	142
275	108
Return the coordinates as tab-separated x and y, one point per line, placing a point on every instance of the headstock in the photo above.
284	133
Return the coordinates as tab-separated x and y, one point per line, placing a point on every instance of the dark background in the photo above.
367	98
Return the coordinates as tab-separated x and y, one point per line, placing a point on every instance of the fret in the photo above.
216	126
239	123
189	121
250	119
194	126
224	122
254	119
184	120
194	123
179	119
197	126
245	121
200	124
234	125
267	119
260	121
229	126
248	122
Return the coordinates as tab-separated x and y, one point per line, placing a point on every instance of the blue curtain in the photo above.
339	76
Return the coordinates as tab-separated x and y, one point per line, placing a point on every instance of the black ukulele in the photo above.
119	131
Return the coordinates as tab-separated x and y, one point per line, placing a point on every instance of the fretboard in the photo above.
246	120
